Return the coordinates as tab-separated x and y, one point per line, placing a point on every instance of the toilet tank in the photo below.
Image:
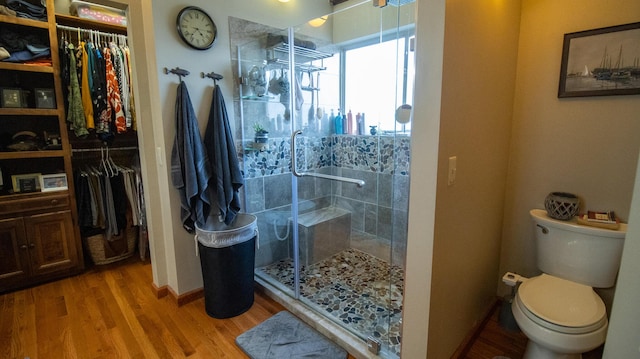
583	254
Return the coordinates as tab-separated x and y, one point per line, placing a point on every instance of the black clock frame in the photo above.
179	30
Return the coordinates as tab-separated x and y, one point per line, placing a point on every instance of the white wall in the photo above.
623	337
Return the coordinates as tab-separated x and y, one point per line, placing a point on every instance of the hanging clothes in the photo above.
190	168
226	177
84	200
143	234
104	81
99	94
64	69
114	105
85	89
104	196
75	114
124	80
131	113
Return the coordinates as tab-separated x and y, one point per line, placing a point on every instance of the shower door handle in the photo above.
295	172
293	153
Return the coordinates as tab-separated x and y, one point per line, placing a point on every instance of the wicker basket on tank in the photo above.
561	205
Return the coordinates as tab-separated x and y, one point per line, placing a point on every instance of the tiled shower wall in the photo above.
378	210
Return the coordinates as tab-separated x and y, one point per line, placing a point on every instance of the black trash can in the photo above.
227	257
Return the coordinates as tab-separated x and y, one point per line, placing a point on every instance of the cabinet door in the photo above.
52	246
14	259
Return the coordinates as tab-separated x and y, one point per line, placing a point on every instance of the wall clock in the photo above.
196	28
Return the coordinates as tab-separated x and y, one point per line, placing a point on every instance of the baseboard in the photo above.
187	297
180	300
160	292
465	346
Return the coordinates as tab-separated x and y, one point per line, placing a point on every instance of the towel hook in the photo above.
212	75
177	71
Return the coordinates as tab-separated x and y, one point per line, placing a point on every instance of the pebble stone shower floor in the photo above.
355	288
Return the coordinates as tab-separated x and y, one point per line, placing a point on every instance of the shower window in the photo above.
370	78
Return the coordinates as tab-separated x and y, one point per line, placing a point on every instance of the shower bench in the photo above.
323	233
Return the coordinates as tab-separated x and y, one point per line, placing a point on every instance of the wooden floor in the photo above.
494	341
112	312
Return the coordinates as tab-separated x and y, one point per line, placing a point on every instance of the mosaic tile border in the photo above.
377	154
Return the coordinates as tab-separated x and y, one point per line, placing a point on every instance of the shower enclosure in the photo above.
331	196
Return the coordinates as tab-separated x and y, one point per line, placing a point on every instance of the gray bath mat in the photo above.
285	336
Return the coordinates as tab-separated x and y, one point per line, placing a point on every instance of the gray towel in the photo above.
190	167
226	178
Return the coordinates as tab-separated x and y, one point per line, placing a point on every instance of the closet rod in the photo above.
103	148
75	29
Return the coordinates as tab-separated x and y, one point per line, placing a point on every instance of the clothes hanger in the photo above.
115	167
104	165
112	165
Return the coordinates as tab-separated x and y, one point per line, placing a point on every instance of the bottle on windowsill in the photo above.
339	124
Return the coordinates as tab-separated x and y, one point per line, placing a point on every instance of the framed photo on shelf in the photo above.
601	62
45	98
53	182
12	97
25	183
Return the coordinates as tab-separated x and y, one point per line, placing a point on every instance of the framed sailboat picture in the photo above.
601	62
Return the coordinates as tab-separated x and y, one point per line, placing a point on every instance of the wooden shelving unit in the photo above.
38	231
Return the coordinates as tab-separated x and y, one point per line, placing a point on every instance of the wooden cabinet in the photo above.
14	261
39	240
36	248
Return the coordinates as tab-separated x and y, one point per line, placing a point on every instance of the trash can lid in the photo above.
218	235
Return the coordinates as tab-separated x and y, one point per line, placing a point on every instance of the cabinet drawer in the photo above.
33	204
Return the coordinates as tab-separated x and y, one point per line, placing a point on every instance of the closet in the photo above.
103	138
40	234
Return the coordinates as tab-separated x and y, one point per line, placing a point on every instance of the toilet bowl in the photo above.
562	319
558	310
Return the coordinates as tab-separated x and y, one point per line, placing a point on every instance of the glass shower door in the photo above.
333	236
351	175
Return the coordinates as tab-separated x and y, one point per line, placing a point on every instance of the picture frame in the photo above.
45	98
12	98
601	62
26	183
54	182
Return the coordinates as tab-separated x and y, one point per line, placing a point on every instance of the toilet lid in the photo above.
562	302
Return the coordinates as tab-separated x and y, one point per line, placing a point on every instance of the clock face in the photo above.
196	28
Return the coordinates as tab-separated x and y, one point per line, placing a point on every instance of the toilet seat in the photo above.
561	305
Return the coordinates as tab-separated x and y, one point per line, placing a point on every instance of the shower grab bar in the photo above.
295	172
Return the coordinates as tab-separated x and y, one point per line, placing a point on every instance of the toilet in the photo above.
558	310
